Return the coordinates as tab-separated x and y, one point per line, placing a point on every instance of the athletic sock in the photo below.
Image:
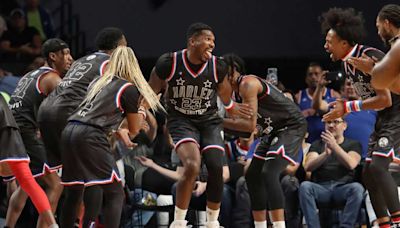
262	224
212	215
180	214
278	224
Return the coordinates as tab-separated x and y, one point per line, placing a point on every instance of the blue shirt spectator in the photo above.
304	99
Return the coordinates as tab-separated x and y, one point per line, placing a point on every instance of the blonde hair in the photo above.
124	65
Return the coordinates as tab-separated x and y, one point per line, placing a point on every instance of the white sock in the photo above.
262	224
278	224
212	215
180	214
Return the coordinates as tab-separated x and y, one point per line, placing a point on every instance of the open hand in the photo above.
363	63
336	112
145	161
200	188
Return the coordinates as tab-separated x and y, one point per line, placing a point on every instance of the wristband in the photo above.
352	106
229	106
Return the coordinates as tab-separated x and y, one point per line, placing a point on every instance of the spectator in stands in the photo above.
20	42
8	83
304	99
332	161
39	18
360	125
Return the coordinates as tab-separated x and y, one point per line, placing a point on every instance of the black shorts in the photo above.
87	156
36	152
385	140
11	145
205	131
51	134
285	143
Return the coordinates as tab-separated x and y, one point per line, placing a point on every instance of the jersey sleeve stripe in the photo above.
103	67
119	94
215	69
38	81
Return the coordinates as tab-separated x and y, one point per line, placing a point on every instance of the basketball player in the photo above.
344	29
386	73
15	161
24	103
282	127
59	105
194	76
113	97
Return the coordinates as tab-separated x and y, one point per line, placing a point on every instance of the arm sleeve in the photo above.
129	99
222	69
164	65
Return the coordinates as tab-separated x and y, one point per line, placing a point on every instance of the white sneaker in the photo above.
179	224
213	224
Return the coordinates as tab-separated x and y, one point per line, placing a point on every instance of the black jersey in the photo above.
275	111
27	97
108	108
6	117
191	92
362	82
72	89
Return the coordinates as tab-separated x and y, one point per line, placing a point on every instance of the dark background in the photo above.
267	33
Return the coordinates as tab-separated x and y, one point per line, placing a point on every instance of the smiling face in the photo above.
202	45
335	46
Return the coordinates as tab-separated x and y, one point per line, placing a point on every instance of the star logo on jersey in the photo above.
268	120
180	82
360	78
172	101
207	84
208	104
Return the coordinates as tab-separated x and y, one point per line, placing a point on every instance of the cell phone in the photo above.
334	76
374	54
272	76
